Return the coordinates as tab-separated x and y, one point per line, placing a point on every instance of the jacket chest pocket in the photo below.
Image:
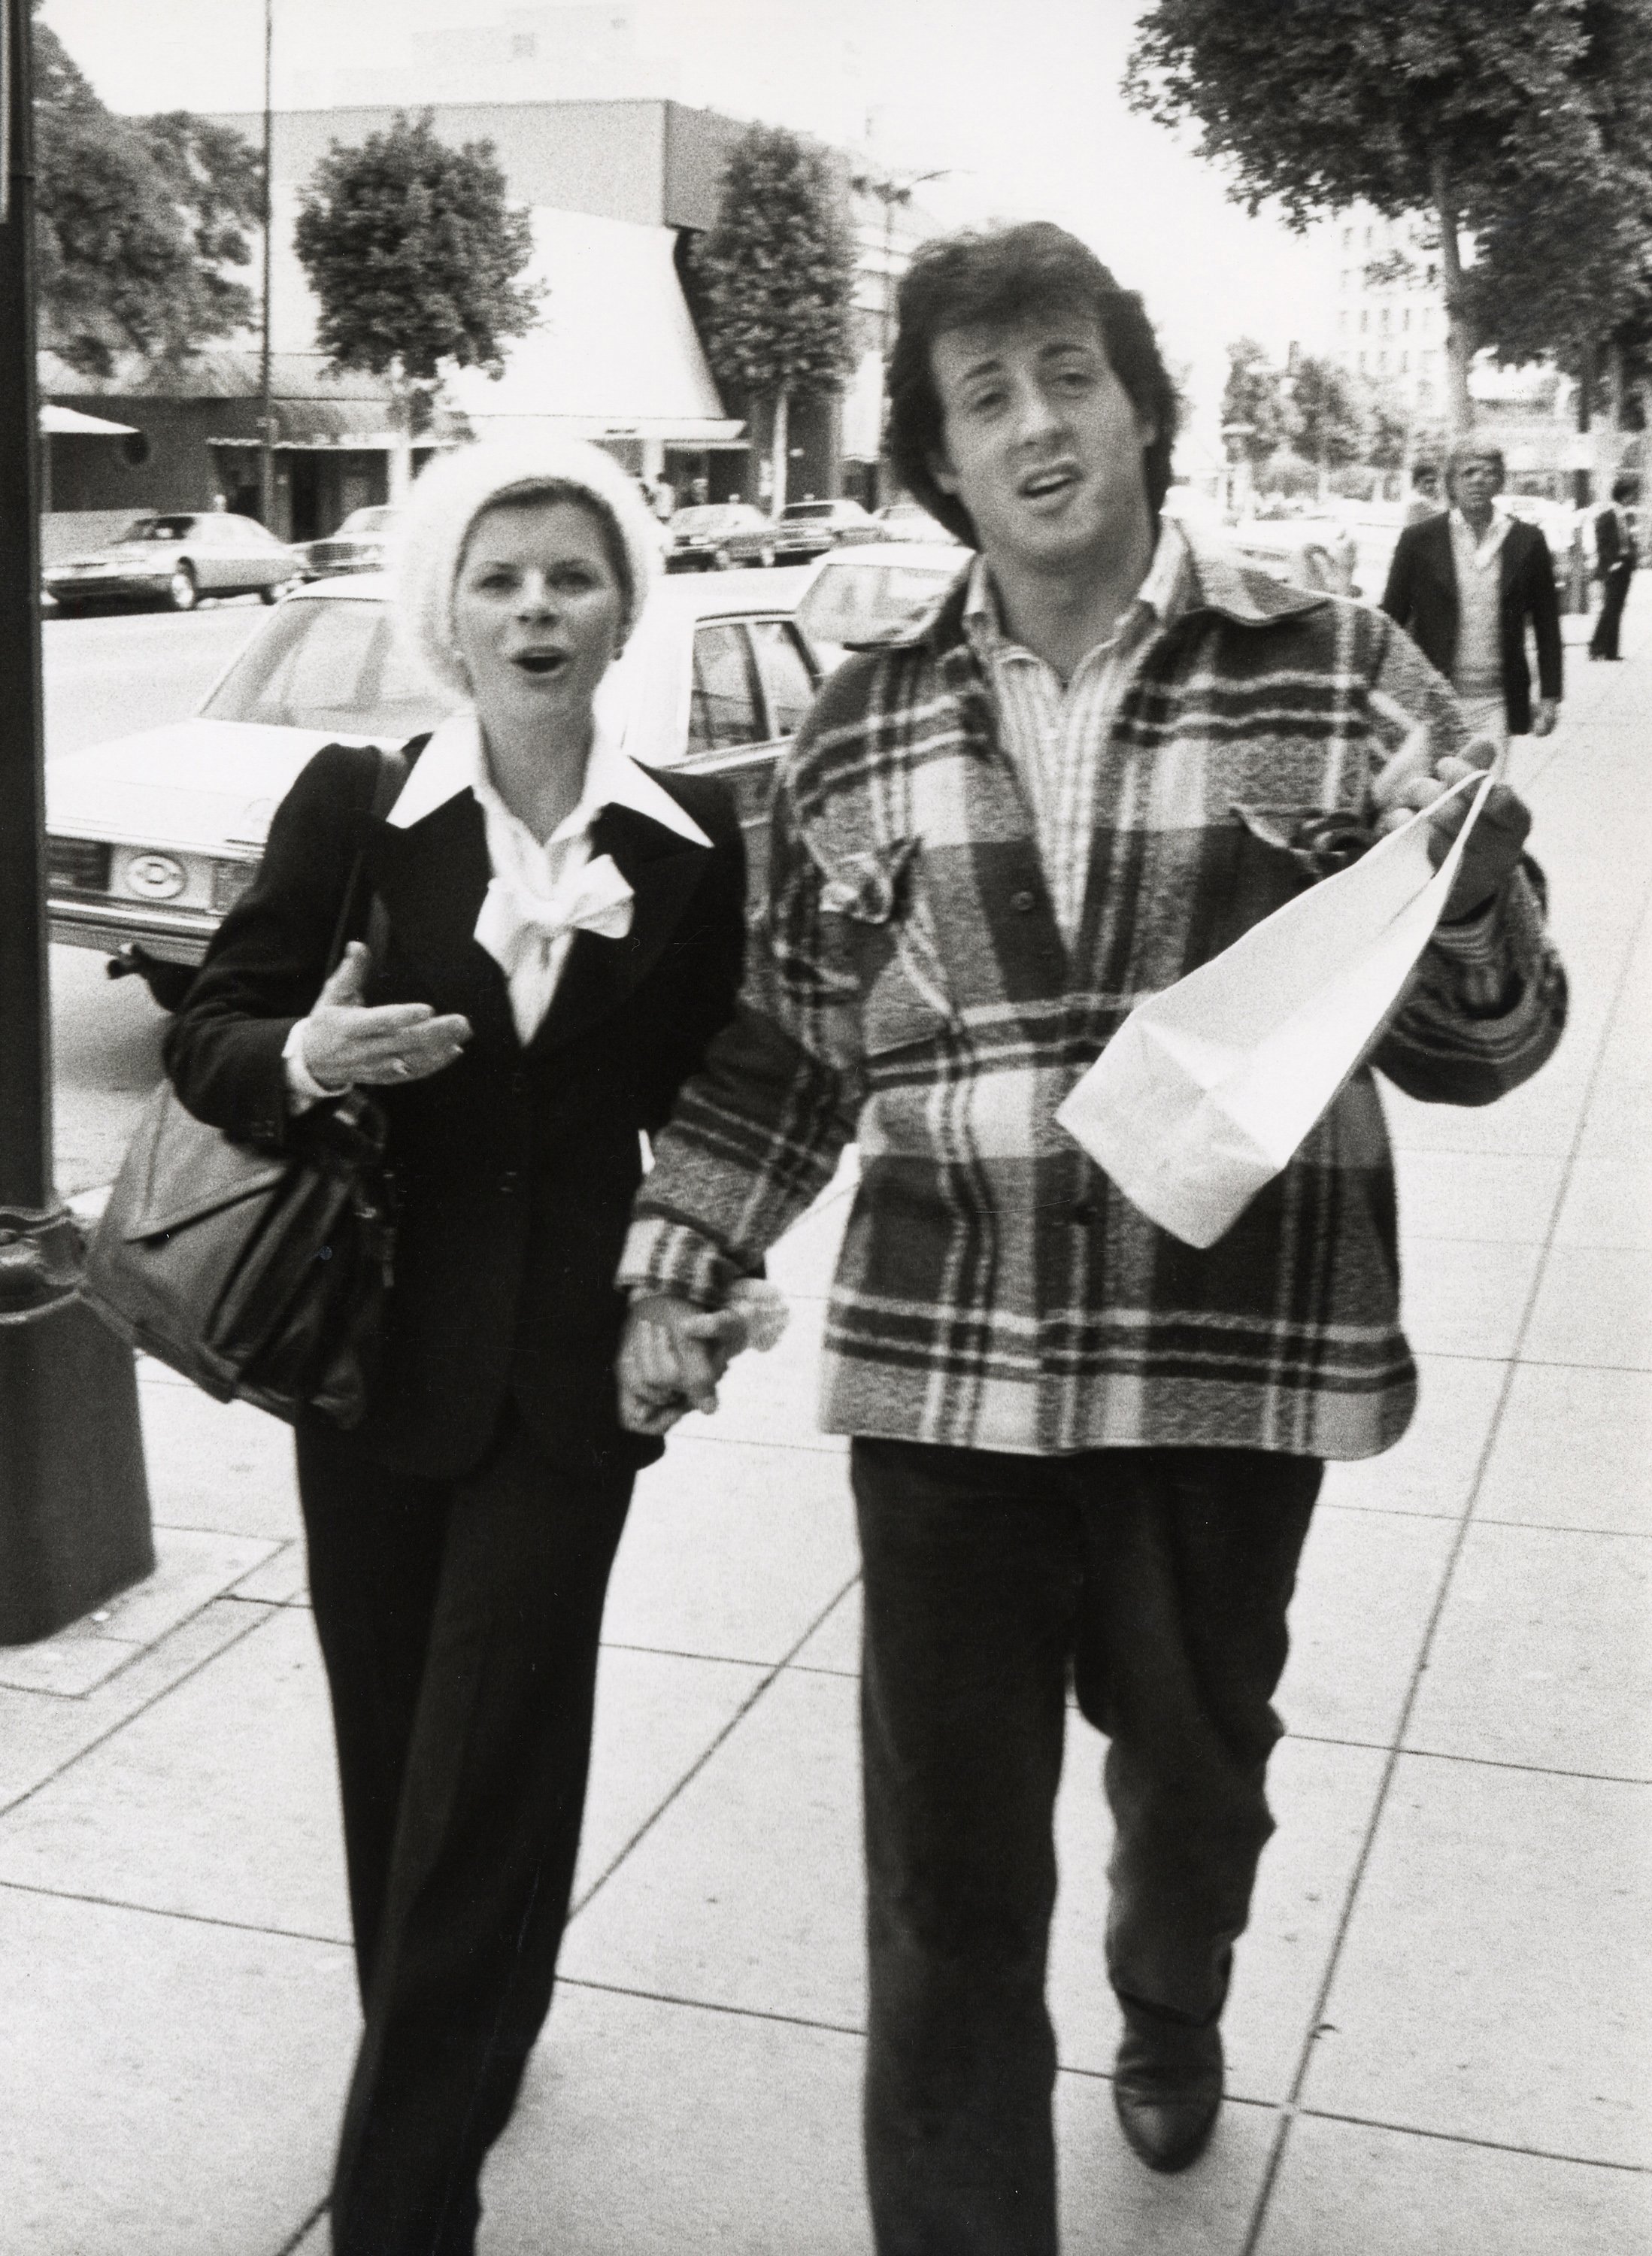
885	932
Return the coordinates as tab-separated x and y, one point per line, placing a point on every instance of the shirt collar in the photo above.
454	761
1496	532
1163	592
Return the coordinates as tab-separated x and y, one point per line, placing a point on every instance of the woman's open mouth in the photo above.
541	661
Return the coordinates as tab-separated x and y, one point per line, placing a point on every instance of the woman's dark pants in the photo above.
1160	1578
459	1622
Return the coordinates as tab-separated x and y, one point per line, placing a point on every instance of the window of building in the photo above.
1347	238
1362	360
1405	318
1384	320
1364	317
1405	362
1382	360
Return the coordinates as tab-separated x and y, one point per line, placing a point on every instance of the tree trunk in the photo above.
1460	408
778	445
401	421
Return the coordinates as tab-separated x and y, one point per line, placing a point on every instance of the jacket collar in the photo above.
454	761
1189	573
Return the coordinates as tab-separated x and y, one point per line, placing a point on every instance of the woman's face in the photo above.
538	611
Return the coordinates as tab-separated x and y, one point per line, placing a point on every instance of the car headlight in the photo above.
156	877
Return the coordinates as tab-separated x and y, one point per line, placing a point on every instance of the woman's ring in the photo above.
400	1068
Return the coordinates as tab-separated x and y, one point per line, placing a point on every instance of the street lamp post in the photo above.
889	192
74	1509
266	409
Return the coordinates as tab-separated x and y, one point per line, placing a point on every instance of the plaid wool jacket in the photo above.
908	987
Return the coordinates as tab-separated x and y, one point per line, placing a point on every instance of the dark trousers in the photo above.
1603	642
459	1622
1160	1578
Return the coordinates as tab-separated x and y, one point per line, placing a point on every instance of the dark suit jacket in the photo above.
1421	597
513	1170
1613	544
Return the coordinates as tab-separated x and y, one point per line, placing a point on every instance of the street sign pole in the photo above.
73	1508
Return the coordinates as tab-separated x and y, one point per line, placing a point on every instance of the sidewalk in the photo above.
1441	2033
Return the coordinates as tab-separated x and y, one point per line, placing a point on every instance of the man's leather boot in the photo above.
1167	2086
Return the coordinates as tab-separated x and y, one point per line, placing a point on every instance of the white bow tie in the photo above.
516	923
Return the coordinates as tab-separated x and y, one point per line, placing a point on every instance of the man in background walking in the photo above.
1617	554
1465	586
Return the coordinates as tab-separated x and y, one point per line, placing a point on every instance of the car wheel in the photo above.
281	587
722	561
182	593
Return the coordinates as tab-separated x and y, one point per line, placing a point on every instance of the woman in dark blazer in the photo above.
564	937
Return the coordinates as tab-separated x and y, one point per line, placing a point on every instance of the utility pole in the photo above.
889	192
74	1509
266	407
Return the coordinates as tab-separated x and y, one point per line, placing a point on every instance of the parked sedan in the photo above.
176	560
359	544
151	838
803	530
908	520
697	538
861	595
1315	553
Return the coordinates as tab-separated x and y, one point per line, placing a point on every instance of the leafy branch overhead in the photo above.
139	223
414	253
777	271
1471	111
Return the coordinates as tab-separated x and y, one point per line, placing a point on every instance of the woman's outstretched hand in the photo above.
346	1044
671	1357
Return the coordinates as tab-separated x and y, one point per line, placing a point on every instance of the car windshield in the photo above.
158	528
852	603
329	665
368	520
712	517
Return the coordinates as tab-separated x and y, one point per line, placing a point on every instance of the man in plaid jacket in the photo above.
1079	1446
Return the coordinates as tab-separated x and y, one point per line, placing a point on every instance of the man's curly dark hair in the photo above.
1001	275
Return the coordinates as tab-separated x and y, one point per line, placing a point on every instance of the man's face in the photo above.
1040	442
1475	481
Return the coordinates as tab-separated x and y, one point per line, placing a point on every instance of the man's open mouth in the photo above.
541	661
1040	485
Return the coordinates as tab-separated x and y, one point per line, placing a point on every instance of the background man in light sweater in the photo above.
1467	586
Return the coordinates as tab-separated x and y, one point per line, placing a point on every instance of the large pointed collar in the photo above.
454	761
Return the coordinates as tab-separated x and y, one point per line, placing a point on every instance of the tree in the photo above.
1254	420
1566	271
777	273
138	220
1328	421
413	252
1453	108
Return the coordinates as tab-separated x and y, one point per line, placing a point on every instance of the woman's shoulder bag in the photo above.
261	1276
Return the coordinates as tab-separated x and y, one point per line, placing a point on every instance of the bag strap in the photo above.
390	773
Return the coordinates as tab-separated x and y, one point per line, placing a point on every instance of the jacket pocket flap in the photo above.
182	1170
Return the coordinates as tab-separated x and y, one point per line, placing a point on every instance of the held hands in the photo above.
1498	839
1545	713
347	1045
671	1357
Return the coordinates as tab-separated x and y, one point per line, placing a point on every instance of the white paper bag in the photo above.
1207	1089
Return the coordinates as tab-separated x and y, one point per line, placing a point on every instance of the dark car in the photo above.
359	544
176	560
698	538
803	530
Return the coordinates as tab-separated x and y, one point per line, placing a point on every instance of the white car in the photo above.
857	595
176	560
153	837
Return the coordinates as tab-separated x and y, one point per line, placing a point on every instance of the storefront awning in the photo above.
615	354
69	423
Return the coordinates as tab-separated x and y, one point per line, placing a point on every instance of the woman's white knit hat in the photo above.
452	492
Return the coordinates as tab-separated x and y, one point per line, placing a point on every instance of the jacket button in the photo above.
1084	1212
1024	902
508	1181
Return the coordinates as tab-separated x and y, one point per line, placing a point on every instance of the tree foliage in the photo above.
778	269
1331	423
1462	108
1254	402
413	251
140	221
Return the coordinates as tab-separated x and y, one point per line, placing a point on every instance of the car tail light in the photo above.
77	865
229	881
